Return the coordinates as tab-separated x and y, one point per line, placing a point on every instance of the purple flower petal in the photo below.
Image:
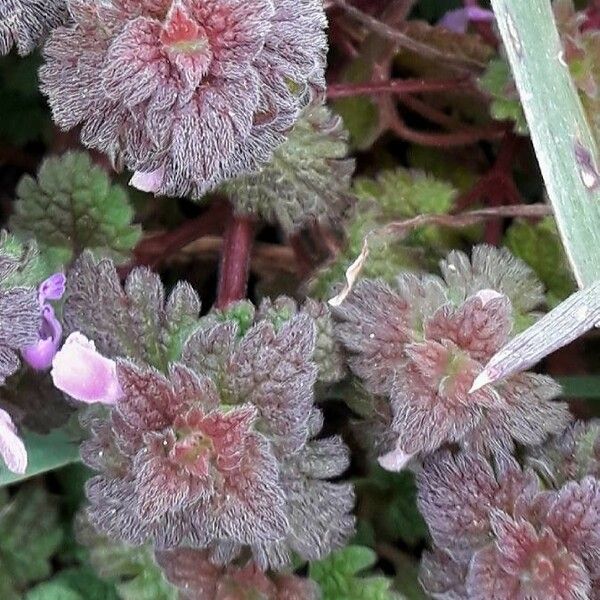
52	288
458	20
12	448
39	356
83	373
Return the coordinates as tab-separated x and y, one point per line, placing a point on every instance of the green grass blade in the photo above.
561	135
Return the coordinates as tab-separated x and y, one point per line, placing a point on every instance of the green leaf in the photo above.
53	591
539	245
21	262
389	501
360	114
393	195
29	536
505	106
308	177
402	193
563	140
71	206
133	571
81	581
45	453
339	576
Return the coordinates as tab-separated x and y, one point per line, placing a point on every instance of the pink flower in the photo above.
40	355
83	373
12	448
458	20
185	93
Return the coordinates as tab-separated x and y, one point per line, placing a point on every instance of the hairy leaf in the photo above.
71	206
308	178
133	571
498	82
540	247
136	321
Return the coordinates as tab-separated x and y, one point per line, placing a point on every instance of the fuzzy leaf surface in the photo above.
137	321
72	205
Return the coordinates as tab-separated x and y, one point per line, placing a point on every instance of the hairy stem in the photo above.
235	260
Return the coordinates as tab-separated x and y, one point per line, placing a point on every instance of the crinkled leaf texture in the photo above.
24	23
394	194
525	240
499	535
199	579
403	193
327	354
308	178
82	583
571	455
188	94
20	263
71	206
218	454
505	106
423	343
339	576
137	321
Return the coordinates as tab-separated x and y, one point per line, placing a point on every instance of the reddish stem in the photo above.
153	251
397	86
235	260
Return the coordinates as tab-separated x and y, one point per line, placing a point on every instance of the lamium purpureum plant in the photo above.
372	400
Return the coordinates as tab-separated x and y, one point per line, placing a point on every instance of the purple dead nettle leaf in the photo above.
423	344
39	355
199	579
498	534
569	320
185	93
80	371
218	454
25	23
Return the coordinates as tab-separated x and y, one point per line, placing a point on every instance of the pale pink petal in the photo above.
83	373
395	460
12	448
148	182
